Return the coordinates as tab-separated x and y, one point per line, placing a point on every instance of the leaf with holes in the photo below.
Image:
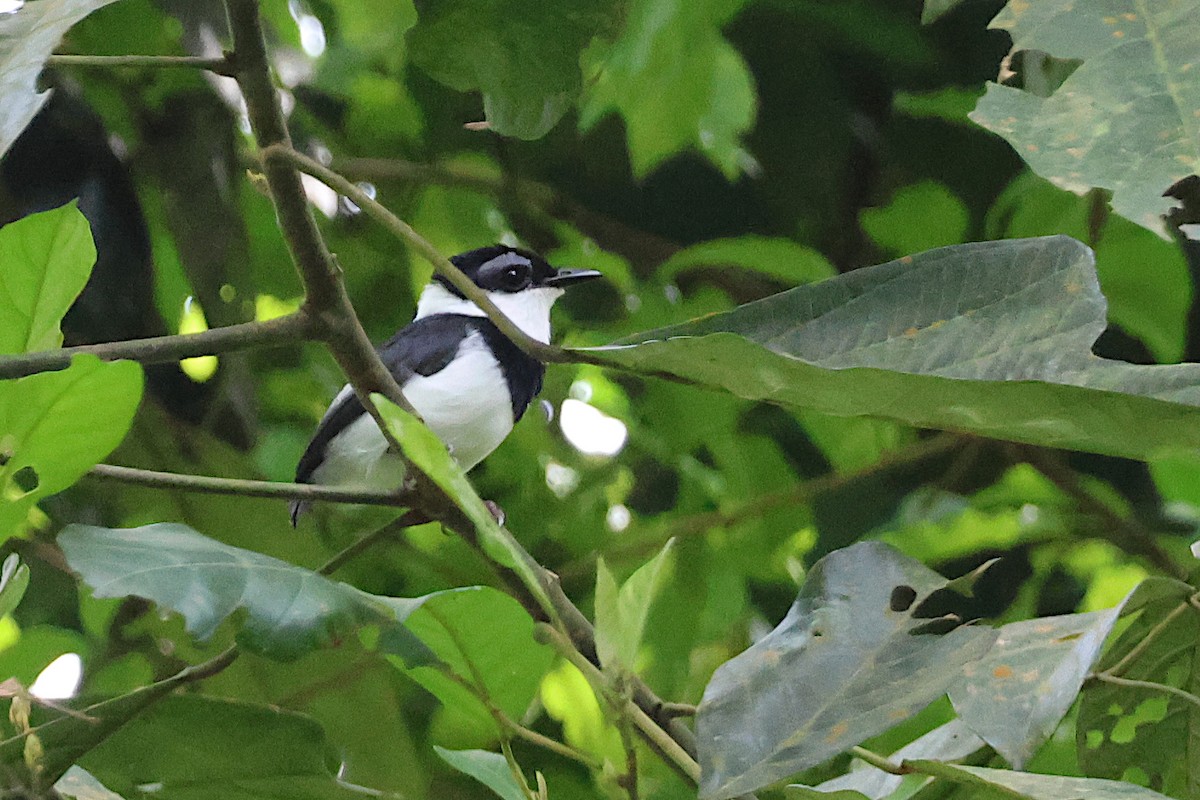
1017	694
850	660
1127	120
992	338
55	426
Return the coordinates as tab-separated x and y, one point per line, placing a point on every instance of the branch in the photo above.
246	488
157	349
402	230
1154	687
221	66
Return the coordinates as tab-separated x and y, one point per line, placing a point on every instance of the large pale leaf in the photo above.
676	82
1005	783
27	37
849	661
54	426
289	610
1018	693
528	72
192	748
992	338
45	260
1125	120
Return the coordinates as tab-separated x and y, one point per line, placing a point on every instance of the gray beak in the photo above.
566	277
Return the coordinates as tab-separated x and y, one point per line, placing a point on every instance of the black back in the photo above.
425	347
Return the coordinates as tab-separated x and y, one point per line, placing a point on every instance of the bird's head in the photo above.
521	283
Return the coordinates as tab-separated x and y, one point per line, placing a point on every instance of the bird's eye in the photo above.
515	277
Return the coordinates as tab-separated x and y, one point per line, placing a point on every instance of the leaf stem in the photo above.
221	66
1152	686
878	761
1147	640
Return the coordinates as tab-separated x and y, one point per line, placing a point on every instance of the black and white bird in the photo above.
466	379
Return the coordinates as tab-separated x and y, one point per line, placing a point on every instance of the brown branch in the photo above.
157	349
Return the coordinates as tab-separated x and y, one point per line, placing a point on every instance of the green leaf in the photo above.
1125	119
676	82
933	10
528	72
47	260
80	784
1017	694
14	580
848	662
776	258
289	610
27	38
992	338
918	217
621	615
54	426
817	793
483	639
190	747
490	769
1121	728
1037	787
949	742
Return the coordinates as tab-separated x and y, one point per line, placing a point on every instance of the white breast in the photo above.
467	405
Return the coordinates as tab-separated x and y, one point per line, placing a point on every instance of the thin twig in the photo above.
244	487
364	543
267	333
1147	640
221	66
878	761
1152	686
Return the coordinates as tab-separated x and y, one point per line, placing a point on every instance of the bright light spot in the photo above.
1029	514
590	430
312	35
11	6
367	188
268	306
618	518
320	195
192	320
561	479
581	390
632	303
60	679
672	293
287	102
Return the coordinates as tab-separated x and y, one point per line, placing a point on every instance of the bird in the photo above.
467	380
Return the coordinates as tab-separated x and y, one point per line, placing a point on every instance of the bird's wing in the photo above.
424	347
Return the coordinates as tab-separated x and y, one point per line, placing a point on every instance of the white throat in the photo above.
529	310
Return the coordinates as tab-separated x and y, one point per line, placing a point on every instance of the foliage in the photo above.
797	525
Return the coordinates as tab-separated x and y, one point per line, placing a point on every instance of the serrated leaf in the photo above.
289	610
27	38
490	769
528	72
621	614
484	638
1125	120
845	664
46	261
1037	787
191	747
948	742
676	82
991	338
54	426
14	580
1015	696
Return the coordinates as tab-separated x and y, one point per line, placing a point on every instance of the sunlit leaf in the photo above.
991	338
54	426
1125	119
849	661
621	613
